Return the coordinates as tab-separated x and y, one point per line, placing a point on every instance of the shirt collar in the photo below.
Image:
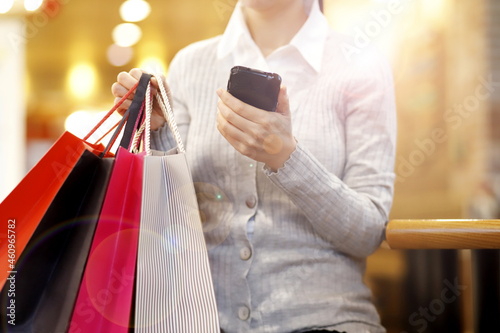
309	40
236	30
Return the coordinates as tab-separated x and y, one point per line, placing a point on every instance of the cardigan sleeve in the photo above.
351	213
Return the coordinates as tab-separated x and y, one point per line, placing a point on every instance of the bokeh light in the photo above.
134	10
82	80
5	6
153	65
119	55
32	5
126	34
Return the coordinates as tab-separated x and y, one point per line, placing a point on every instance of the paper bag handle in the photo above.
135	111
110	112
168	114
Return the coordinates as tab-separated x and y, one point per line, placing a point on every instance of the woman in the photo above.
292	201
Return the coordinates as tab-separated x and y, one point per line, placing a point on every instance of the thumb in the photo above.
283	103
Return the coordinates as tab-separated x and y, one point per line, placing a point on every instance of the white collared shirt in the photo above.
302	56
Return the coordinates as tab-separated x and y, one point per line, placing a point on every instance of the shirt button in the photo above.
243	313
251	202
245	253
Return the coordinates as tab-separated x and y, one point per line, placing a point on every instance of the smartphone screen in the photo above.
255	87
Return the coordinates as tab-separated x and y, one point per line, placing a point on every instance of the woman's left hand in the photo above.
261	135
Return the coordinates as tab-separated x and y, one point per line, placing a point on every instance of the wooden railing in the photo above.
480	236
443	234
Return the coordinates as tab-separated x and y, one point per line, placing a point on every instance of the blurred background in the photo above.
58	59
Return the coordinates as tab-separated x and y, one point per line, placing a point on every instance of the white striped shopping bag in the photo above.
174	289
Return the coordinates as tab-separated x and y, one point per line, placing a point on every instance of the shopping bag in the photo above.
48	272
174	289
41	291
104	301
26	204
24	207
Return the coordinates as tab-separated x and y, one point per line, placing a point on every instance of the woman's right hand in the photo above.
125	81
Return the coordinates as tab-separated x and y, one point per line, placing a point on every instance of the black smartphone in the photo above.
254	87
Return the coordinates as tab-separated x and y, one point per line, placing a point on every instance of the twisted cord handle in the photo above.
168	113
166	108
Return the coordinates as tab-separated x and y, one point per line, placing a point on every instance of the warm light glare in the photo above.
433	6
433	10
82	121
32	5
153	46
78	122
134	10
153	65
82	80
5	6
126	34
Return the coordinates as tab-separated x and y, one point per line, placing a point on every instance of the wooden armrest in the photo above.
443	234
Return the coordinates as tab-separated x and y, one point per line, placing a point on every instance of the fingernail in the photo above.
219	92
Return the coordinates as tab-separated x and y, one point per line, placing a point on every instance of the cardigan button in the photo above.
245	253
243	313
251	201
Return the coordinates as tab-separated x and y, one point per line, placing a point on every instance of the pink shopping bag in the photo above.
104	300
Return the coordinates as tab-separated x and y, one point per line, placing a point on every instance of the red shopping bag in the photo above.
25	206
